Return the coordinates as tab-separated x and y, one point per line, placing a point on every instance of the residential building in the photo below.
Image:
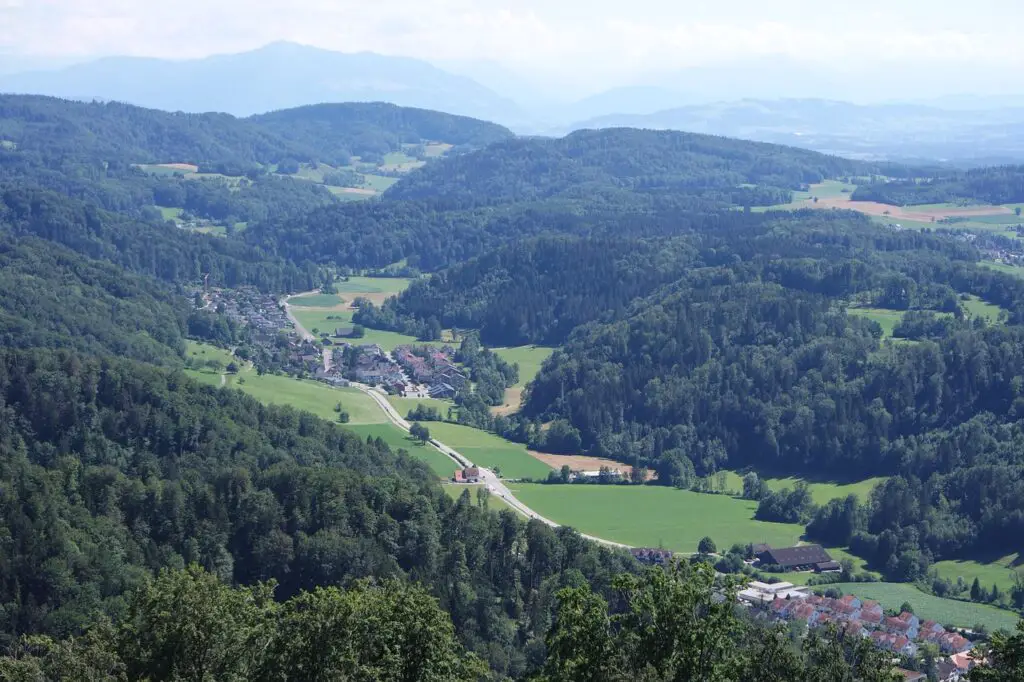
651	556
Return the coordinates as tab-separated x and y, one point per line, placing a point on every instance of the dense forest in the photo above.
1002	185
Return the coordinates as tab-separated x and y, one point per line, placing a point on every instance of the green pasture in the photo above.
317	301
488	450
1002	571
655	516
926	606
404	405
529	358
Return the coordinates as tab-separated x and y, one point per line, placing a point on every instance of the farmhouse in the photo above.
467	475
344	331
803	558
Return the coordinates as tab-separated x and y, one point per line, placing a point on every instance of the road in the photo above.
493	483
303	332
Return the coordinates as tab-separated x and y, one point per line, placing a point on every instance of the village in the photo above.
901	634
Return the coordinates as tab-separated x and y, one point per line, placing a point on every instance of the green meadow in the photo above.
529	358
489	450
926	606
655	516
1002	571
317	301
494	502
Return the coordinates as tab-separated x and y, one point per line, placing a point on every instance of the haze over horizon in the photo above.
873	51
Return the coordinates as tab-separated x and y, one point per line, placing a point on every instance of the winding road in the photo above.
493	483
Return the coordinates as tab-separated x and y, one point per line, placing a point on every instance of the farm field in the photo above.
329	320
489	450
1001	572
317	301
378	183
494	502
926	606
654	516
583	463
398	439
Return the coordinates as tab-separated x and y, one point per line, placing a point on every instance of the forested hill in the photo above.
122	133
1000	185
374	128
648	161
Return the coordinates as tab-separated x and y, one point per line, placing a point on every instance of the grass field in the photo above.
976	307
204	351
654	516
494	502
926	606
404	405
1015	270
530	359
398	439
888	319
317	301
436	149
378	183
373	285
170	213
489	450
329	320
312	396
1001	572
830	189
821	491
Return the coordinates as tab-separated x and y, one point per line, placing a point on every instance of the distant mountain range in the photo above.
278	76
892	131
747	100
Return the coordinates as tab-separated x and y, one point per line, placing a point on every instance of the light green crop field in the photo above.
655	516
930	607
317	301
437	149
400	161
203	376
488	450
1001	572
494	502
398	439
530	359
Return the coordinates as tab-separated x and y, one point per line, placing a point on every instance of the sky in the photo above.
561	41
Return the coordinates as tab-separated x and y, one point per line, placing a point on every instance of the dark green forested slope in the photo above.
1001	185
371	129
535	291
156	250
110	470
648	161
755	362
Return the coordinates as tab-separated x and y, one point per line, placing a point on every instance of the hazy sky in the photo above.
593	40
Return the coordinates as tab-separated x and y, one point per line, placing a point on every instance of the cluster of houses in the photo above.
434	368
372	365
261	312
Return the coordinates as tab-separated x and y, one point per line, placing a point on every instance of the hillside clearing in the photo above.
397	439
488	450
